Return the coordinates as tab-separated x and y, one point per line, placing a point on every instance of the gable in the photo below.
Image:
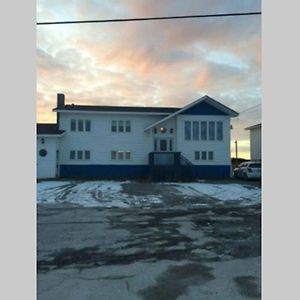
203	108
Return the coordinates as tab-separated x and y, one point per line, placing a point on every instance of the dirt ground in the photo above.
169	250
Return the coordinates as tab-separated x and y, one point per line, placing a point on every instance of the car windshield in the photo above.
255	166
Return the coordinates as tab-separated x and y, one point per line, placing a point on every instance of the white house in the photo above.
255	141
135	142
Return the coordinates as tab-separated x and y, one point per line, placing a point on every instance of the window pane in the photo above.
87	154
163	145
219	131
203	155
187	130
120	155
113	155
204	130
79	155
210	155
211	130
121	126
73	125
197	155
72	154
128	126
127	155
80	125
195	130
114	126
87	125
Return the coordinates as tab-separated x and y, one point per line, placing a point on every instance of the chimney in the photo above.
60	100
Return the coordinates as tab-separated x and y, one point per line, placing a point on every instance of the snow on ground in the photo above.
223	192
91	193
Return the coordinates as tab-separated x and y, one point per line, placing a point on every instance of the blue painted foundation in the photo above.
140	171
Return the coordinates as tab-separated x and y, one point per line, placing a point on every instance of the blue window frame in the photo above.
211	131
219	131
195	130
127	126
121	126
73	125
72	154
80	125
203	130
114	126
87	125
187	130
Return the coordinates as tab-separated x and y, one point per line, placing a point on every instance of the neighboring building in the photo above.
255	141
135	142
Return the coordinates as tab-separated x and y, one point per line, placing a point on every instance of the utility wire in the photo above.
150	18
249	108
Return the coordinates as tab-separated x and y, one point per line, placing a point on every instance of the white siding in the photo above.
100	141
221	149
255	143
46	165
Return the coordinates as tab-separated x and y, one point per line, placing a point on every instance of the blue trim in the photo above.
212	172
104	171
203	108
141	171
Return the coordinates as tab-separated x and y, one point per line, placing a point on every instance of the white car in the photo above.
248	170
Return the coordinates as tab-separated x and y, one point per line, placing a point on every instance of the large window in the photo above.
80	154
203	130
87	154
121	126
211	131
203	155
80	125
187	130
210	155
72	154
195	130
219	131
120	155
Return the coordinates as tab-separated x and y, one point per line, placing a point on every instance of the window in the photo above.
113	155
121	126
43	152
73	125
155	130
120	155
187	130
87	125
211	130
219	131
163	145
155	145
80	125
114	126
79	154
203	130
171	130
203	155
197	155
42	141
87	154
127	155
195	130
170	145
210	155
128	126
72	154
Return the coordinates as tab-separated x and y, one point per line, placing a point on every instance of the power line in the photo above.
250	108
150	18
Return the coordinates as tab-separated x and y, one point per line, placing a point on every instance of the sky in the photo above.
152	63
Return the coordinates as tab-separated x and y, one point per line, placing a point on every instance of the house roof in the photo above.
48	129
253	126
226	110
104	108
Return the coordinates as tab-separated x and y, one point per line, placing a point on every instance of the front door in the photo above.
163	145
